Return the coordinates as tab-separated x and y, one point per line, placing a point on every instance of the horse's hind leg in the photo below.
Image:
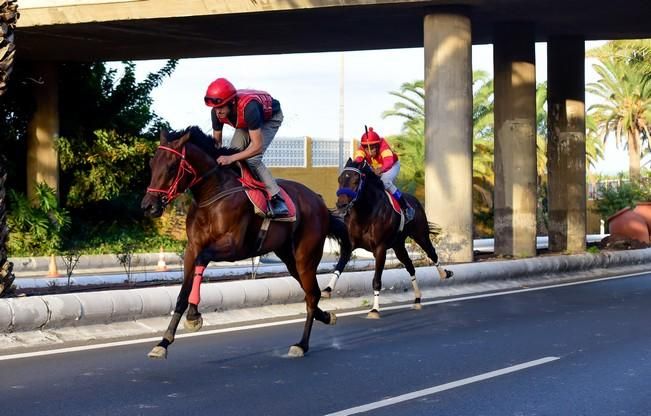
421	238
403	256
305	274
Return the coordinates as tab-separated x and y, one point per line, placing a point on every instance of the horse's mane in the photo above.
371	178
202	140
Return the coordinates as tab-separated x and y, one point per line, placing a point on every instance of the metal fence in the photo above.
292	152
325	152
595	189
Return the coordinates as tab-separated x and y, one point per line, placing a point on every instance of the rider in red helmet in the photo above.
384	162
256	117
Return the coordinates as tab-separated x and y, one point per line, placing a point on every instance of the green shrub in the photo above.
626	195
36	227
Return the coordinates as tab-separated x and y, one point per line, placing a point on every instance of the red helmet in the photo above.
219	93
370	137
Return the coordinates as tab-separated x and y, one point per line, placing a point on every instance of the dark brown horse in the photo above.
221	225
374	225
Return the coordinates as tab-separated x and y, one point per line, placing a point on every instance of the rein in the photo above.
168	195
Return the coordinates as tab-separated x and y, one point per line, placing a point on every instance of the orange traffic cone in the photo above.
161	266
52	270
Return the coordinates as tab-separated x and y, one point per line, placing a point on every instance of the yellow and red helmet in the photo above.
370	137
219	93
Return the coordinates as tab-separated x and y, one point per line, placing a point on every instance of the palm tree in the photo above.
625	90
410	144
8	17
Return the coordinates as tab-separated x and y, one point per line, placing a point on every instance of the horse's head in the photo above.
171	174
351	180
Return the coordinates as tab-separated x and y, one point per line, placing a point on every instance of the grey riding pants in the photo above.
241	140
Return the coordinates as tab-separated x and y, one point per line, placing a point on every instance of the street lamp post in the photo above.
341	111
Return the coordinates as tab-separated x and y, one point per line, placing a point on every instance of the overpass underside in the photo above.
149	29
159	29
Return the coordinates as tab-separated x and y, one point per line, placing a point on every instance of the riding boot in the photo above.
277	206
406	208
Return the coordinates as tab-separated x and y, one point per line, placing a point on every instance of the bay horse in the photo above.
222	225
374	225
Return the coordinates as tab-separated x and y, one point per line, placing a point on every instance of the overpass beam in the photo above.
515	200
566	144
43	129
448	131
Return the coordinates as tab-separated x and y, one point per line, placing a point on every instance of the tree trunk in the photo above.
8	17
6	267
634	157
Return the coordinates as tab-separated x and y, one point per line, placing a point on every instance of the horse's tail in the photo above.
434	229
337	230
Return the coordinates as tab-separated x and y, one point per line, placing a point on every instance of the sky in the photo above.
308	88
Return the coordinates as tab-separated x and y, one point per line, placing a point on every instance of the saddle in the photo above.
397	208
259	196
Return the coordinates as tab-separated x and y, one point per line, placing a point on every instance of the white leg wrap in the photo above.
376	300
441	271
333	280
414	284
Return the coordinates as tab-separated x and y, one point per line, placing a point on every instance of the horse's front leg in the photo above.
380	258
160	350
403	256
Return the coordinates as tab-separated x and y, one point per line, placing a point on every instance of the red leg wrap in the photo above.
195	295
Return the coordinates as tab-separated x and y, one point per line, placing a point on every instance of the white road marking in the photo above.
291	321
437	389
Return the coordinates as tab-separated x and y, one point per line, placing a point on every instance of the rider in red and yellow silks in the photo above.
377	153
256	117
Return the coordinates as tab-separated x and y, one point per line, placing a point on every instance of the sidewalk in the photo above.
147	263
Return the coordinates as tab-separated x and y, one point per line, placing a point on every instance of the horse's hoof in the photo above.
417	306
373	314
333	318
326	293
444	273
295	352
158	353
194	325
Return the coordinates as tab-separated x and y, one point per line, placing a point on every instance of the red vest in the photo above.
243	98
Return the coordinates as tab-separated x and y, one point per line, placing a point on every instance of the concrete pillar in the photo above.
515	198
448	131
566	144
42	158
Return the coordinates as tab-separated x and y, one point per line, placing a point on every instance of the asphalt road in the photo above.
580	349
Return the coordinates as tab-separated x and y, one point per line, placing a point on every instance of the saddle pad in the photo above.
394	202
396	207
258	198
258	195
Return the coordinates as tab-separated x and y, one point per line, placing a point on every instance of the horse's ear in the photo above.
185	138
163	137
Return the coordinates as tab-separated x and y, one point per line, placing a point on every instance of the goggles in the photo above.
214	102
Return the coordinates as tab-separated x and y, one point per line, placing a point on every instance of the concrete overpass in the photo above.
82	30
148	29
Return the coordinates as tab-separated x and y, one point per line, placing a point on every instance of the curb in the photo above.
58	311
147	262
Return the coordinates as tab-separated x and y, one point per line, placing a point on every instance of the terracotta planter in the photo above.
628	224
644	209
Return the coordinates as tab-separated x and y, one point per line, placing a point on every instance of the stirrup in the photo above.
409	213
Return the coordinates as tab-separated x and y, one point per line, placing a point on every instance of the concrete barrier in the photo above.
55	311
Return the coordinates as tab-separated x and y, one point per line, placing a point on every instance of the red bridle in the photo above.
169	194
